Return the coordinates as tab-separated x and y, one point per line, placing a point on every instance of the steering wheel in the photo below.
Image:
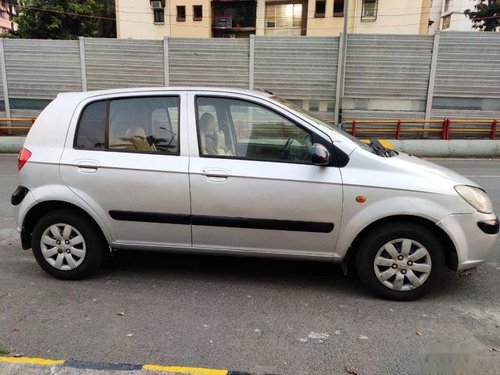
286	148
163	144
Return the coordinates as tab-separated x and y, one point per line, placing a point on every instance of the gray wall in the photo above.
451	74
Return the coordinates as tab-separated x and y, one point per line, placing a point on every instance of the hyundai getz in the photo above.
224	171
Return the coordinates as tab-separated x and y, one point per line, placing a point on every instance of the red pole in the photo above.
398	130
445	134
353	130
493	134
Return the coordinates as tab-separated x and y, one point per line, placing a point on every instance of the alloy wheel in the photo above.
402	264
63	246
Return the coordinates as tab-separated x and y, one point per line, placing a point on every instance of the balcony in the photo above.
233	18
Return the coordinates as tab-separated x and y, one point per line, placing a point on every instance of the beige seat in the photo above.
212	140
137	136
213	143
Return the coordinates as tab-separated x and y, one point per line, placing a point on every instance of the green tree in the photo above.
65	19
485	15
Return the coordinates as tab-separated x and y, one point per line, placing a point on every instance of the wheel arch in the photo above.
450	251
40	209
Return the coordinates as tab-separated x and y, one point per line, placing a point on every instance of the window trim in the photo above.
303	18
106	125
180	19
315	137
316	14
159	11
365	18
194	13
338	14
446	22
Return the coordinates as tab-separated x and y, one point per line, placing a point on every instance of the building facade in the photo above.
149	19
145	19
6	12
453	17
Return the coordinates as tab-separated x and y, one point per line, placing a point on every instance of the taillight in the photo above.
23	157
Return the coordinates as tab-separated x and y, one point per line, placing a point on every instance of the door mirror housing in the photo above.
320	155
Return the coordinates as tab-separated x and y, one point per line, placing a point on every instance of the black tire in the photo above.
93	239
370	245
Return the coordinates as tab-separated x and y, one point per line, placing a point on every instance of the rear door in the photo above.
255	189
128	161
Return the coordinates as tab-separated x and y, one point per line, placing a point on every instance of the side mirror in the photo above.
320	155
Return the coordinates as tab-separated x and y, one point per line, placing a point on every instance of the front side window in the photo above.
233	128
148	125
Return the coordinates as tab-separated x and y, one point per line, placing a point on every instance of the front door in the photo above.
253	186
129	163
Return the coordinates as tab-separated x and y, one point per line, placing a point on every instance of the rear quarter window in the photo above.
92	127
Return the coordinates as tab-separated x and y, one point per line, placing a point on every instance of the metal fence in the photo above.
449	75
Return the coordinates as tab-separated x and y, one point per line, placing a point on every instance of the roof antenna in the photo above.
263	89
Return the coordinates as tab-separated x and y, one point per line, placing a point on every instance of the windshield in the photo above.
313	118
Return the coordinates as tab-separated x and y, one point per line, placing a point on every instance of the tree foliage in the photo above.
485	15
65	19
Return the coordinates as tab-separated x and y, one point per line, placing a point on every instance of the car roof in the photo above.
89	94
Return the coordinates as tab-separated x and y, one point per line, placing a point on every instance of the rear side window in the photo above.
148	125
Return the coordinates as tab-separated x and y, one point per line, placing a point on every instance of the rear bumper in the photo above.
474	236
20	210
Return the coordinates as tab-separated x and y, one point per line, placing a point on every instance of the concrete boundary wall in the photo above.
387	76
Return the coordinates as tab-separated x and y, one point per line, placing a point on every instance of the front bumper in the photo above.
474	236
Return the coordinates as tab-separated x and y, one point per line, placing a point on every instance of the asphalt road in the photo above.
263	316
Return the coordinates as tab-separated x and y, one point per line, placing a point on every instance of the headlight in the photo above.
476	197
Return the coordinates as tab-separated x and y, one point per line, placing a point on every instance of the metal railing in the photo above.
416	129
15	126
394	129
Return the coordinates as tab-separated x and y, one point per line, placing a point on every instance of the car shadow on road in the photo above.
227	269
283	273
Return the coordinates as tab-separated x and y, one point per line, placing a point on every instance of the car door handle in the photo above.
88	166
215	173
219	176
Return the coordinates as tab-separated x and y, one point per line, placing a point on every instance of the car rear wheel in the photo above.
67	245
400	262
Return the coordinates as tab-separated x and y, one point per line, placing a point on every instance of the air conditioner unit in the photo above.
156	5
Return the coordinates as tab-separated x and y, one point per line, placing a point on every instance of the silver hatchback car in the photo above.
223	171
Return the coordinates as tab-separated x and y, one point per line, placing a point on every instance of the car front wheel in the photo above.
67	245
400	261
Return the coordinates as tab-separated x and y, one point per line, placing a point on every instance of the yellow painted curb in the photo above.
185	370
33	361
